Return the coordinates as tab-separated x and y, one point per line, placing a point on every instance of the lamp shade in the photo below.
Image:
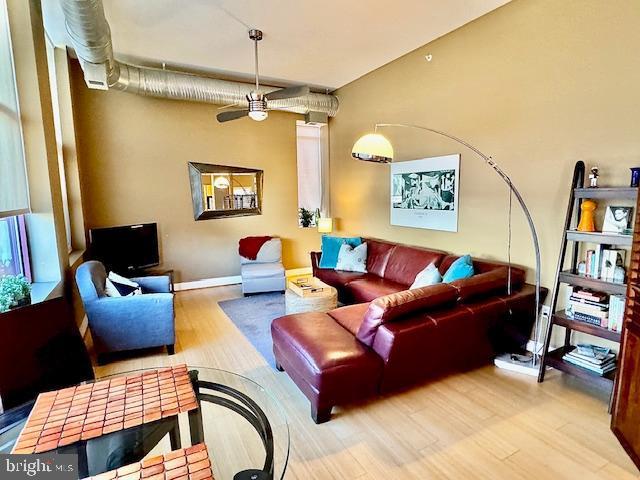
221	182
373	147
325	225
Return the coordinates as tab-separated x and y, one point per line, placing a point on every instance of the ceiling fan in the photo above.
258	102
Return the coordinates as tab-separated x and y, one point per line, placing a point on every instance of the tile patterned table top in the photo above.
185	464
87	411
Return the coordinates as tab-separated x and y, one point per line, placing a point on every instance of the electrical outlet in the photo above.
545	311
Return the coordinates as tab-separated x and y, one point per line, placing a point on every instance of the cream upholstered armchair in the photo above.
265	273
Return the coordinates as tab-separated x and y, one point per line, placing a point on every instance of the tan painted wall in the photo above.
537	84
134	152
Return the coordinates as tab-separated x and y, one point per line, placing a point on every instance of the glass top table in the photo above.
242	424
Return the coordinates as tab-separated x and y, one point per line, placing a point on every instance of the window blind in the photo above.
309	167
14	194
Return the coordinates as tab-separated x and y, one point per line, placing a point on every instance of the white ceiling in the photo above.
324	44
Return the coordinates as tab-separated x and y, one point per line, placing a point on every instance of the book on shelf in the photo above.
592	351
594	307
611	258
597	261
591	311
589	303
583	293
600	322
616	312
589	258
593	358
599	370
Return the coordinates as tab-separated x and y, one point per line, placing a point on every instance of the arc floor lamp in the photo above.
375	147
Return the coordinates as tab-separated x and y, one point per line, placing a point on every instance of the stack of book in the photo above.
588	306
596	359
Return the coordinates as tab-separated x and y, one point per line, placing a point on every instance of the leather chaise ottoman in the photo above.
403	338
327	362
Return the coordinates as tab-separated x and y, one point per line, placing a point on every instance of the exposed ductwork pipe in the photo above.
91	38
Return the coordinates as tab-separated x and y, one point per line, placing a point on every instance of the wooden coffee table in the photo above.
321	301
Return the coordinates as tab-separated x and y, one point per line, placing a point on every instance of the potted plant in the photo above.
306	217
15	291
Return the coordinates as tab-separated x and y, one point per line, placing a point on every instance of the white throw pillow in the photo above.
110	289
352	259
127	288
429	276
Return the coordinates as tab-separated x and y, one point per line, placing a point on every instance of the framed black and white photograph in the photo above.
617	219
424	193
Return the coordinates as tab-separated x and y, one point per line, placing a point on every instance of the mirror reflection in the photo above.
224	191
229	191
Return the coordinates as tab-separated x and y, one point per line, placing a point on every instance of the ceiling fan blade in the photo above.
228	106
290	92
231	115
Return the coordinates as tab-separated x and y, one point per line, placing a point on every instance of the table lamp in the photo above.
325	225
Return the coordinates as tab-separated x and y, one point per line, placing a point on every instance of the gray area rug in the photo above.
253	316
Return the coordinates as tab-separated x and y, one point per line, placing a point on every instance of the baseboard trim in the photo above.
232	280
208	282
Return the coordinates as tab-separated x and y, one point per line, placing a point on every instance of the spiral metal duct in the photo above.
91	38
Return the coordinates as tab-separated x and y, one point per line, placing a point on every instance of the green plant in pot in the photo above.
306	217
15	291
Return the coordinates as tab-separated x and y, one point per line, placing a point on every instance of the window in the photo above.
14	255
312	172
14	196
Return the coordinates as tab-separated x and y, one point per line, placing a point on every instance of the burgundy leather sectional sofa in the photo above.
388	337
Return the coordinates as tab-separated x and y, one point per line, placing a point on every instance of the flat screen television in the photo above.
127	248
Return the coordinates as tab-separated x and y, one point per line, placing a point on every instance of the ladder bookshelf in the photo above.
570	276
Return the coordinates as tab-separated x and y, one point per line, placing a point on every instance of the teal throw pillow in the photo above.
461	268
331	249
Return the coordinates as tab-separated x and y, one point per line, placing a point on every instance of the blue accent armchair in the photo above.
126	323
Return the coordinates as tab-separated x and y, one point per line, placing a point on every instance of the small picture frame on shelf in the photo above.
618	219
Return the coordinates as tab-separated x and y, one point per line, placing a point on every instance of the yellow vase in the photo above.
587	215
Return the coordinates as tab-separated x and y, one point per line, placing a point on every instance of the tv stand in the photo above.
152	272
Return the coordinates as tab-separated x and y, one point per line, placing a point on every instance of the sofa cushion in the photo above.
459	269
391	307
350	317
406	262
414	349
324	355
371	287
261	270
336	278
489	283
378	252
331	247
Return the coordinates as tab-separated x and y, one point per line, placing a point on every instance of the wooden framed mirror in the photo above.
221	191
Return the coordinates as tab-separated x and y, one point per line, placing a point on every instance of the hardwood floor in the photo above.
485	424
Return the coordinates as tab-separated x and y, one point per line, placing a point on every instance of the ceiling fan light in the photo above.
373	147
258	115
